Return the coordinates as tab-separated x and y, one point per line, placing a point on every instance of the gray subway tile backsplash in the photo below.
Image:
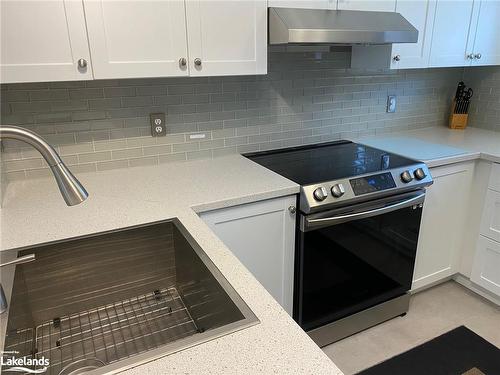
485	105
303	99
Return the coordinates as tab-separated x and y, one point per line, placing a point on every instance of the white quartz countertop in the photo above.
34	213
440	145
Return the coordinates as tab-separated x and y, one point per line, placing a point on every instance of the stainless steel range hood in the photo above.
321	26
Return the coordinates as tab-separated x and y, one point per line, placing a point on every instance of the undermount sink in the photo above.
112	301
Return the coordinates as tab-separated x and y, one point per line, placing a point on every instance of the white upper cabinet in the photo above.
466	32
137	38
485	49
420	13
450	35
227	37
370	5
304	4
43	41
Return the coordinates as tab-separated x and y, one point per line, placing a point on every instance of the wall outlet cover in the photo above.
158	125
391	104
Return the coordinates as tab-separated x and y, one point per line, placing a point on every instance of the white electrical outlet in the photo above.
391	104
158	126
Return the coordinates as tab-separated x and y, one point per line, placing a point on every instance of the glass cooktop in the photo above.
327	161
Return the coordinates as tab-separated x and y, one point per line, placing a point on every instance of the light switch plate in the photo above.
391	104
158	125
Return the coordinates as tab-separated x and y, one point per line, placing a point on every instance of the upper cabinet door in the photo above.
43	41
304	4
420	13
451	33
486	46
371	5
227	37
131	39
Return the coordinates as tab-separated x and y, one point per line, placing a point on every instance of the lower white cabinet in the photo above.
486	266
444	220
262	236
494	181
490	222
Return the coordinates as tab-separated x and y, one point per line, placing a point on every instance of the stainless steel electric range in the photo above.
357	231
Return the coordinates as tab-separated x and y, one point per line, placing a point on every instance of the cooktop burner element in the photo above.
337	173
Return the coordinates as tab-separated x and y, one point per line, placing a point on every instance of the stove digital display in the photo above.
370	184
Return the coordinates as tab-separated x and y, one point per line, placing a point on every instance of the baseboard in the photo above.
431	280
462	280
431	284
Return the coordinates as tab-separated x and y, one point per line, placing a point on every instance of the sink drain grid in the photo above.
115	331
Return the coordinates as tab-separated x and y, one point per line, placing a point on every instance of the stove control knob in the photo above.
419	174
338	190
320	194
406	177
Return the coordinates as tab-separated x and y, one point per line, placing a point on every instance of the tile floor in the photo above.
432	313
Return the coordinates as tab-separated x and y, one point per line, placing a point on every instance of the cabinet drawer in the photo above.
486	267
495	177
490	221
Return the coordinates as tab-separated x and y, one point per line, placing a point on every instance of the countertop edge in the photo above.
236	201
440	162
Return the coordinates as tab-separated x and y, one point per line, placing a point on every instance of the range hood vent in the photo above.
321	26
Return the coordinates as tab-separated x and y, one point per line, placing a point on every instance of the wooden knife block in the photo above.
457	120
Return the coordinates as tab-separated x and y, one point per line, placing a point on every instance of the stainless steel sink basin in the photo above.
115	300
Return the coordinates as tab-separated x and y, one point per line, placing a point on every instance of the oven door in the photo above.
355	257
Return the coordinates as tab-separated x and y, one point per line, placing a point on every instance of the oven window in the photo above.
349	267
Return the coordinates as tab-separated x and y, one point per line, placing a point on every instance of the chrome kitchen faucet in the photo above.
71	189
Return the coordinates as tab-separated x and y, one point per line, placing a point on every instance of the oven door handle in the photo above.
311	223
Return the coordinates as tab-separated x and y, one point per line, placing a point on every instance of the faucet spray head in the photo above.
71	189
